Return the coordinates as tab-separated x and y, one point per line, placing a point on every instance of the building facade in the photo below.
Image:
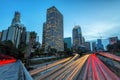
43	36
87	45
68	42
83	41
77	37
93	46
27	37
16	31
0	35
113	40
53	30
100	46
4	35
37	38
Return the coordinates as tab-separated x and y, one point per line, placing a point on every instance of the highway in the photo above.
68	71
95	69
48	76
39	70
81	61
87	67
35	71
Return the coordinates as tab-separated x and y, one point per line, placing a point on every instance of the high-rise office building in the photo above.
4	35
100	46
87	45
43	36
83	41
53	30
23	35
11	34
16	19
113	40
0	35
77	37
27	37
37	38
68	42
93	46
16	32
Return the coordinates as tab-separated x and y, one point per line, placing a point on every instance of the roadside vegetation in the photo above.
114	48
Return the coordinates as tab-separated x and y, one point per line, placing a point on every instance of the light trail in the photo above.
99	70
109	55
36	71
108	74
80	62
71	70
59	68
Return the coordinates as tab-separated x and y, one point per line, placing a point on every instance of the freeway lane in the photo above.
36	71
75	72
96	70
48	75
87	67
70	70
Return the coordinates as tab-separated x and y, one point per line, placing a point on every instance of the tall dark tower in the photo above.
53	30
17	31
16	18
77	37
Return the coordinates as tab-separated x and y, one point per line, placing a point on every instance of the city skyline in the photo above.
102	20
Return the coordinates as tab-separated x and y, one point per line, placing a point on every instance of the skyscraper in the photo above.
77	37
53	30
16	31
87	45
113	40
16	19
43	36
4	35
94	46
0	35
37	38
27	37
83	41
68	42
99	45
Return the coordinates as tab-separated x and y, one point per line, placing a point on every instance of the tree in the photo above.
68	52
114	47
22	48
33	37
53	51
36	45
8	48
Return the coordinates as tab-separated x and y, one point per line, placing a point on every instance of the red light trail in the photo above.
6	59
97	70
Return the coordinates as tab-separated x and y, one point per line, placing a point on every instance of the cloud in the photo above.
101	29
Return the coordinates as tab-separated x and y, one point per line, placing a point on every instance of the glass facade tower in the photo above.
53	30
16	31
77	37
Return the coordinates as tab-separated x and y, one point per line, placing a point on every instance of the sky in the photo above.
97	18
